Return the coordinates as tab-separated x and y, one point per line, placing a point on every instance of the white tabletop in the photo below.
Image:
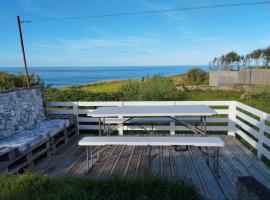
151	141
153	111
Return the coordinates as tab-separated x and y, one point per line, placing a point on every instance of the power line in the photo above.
151	11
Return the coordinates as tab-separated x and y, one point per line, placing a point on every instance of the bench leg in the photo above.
216	160
149	158
87	157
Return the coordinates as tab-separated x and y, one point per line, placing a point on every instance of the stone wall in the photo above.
244	76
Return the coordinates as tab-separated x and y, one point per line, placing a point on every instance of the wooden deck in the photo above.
190	165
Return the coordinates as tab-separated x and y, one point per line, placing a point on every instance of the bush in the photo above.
9	80
155	88
130	91
55	94
38	186
196	76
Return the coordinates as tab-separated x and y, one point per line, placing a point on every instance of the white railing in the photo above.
232	117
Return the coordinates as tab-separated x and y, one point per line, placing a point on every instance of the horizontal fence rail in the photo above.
234	118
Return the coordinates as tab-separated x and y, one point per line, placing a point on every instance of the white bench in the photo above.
153	141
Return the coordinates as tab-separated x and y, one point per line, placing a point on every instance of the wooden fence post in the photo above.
231	118
75	112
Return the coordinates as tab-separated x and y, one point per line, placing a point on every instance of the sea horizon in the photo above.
76	75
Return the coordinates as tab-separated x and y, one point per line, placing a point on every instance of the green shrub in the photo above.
196	76
155	88
9	80
130	91
55	94
37	186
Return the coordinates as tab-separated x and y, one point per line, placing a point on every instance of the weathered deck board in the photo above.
190	165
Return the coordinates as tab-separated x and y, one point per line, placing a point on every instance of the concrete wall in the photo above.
223	78
254	76
244	76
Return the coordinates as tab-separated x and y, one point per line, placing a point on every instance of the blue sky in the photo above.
176	38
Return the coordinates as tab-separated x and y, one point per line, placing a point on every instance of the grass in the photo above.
41	186
114	85
256	100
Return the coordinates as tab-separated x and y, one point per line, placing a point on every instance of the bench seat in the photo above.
24	140
152	141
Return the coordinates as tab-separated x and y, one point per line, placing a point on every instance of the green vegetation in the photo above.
131	91
9	80
194	76
259	58
155	88
38	186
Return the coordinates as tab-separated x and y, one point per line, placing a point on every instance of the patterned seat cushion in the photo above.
19	110
23	140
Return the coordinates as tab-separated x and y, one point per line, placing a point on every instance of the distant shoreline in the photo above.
70	76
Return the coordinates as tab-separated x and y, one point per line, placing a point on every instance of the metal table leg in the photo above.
204	125
104	126
99	125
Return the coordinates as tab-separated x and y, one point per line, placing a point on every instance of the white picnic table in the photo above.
175	113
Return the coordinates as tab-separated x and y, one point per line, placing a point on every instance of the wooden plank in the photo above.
80	167
129	160
155	161
194	174
95	169
117	160
139	162
166	162
59	154
234	162
144	163
58	160
109	164
122	163
64	165
208	175
179	166
253	158
78	162
133	163
250	168
108	157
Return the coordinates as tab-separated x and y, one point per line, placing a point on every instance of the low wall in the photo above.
223	78
244	76
254	76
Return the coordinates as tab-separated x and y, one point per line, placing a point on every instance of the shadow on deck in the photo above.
190	166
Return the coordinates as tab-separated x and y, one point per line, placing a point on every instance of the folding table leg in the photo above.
99	125
204	125
104	126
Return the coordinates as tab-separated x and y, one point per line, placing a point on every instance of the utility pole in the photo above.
23	52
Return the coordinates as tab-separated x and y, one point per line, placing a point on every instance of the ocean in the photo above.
64	76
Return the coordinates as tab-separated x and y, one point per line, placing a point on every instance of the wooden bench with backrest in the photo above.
26	133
